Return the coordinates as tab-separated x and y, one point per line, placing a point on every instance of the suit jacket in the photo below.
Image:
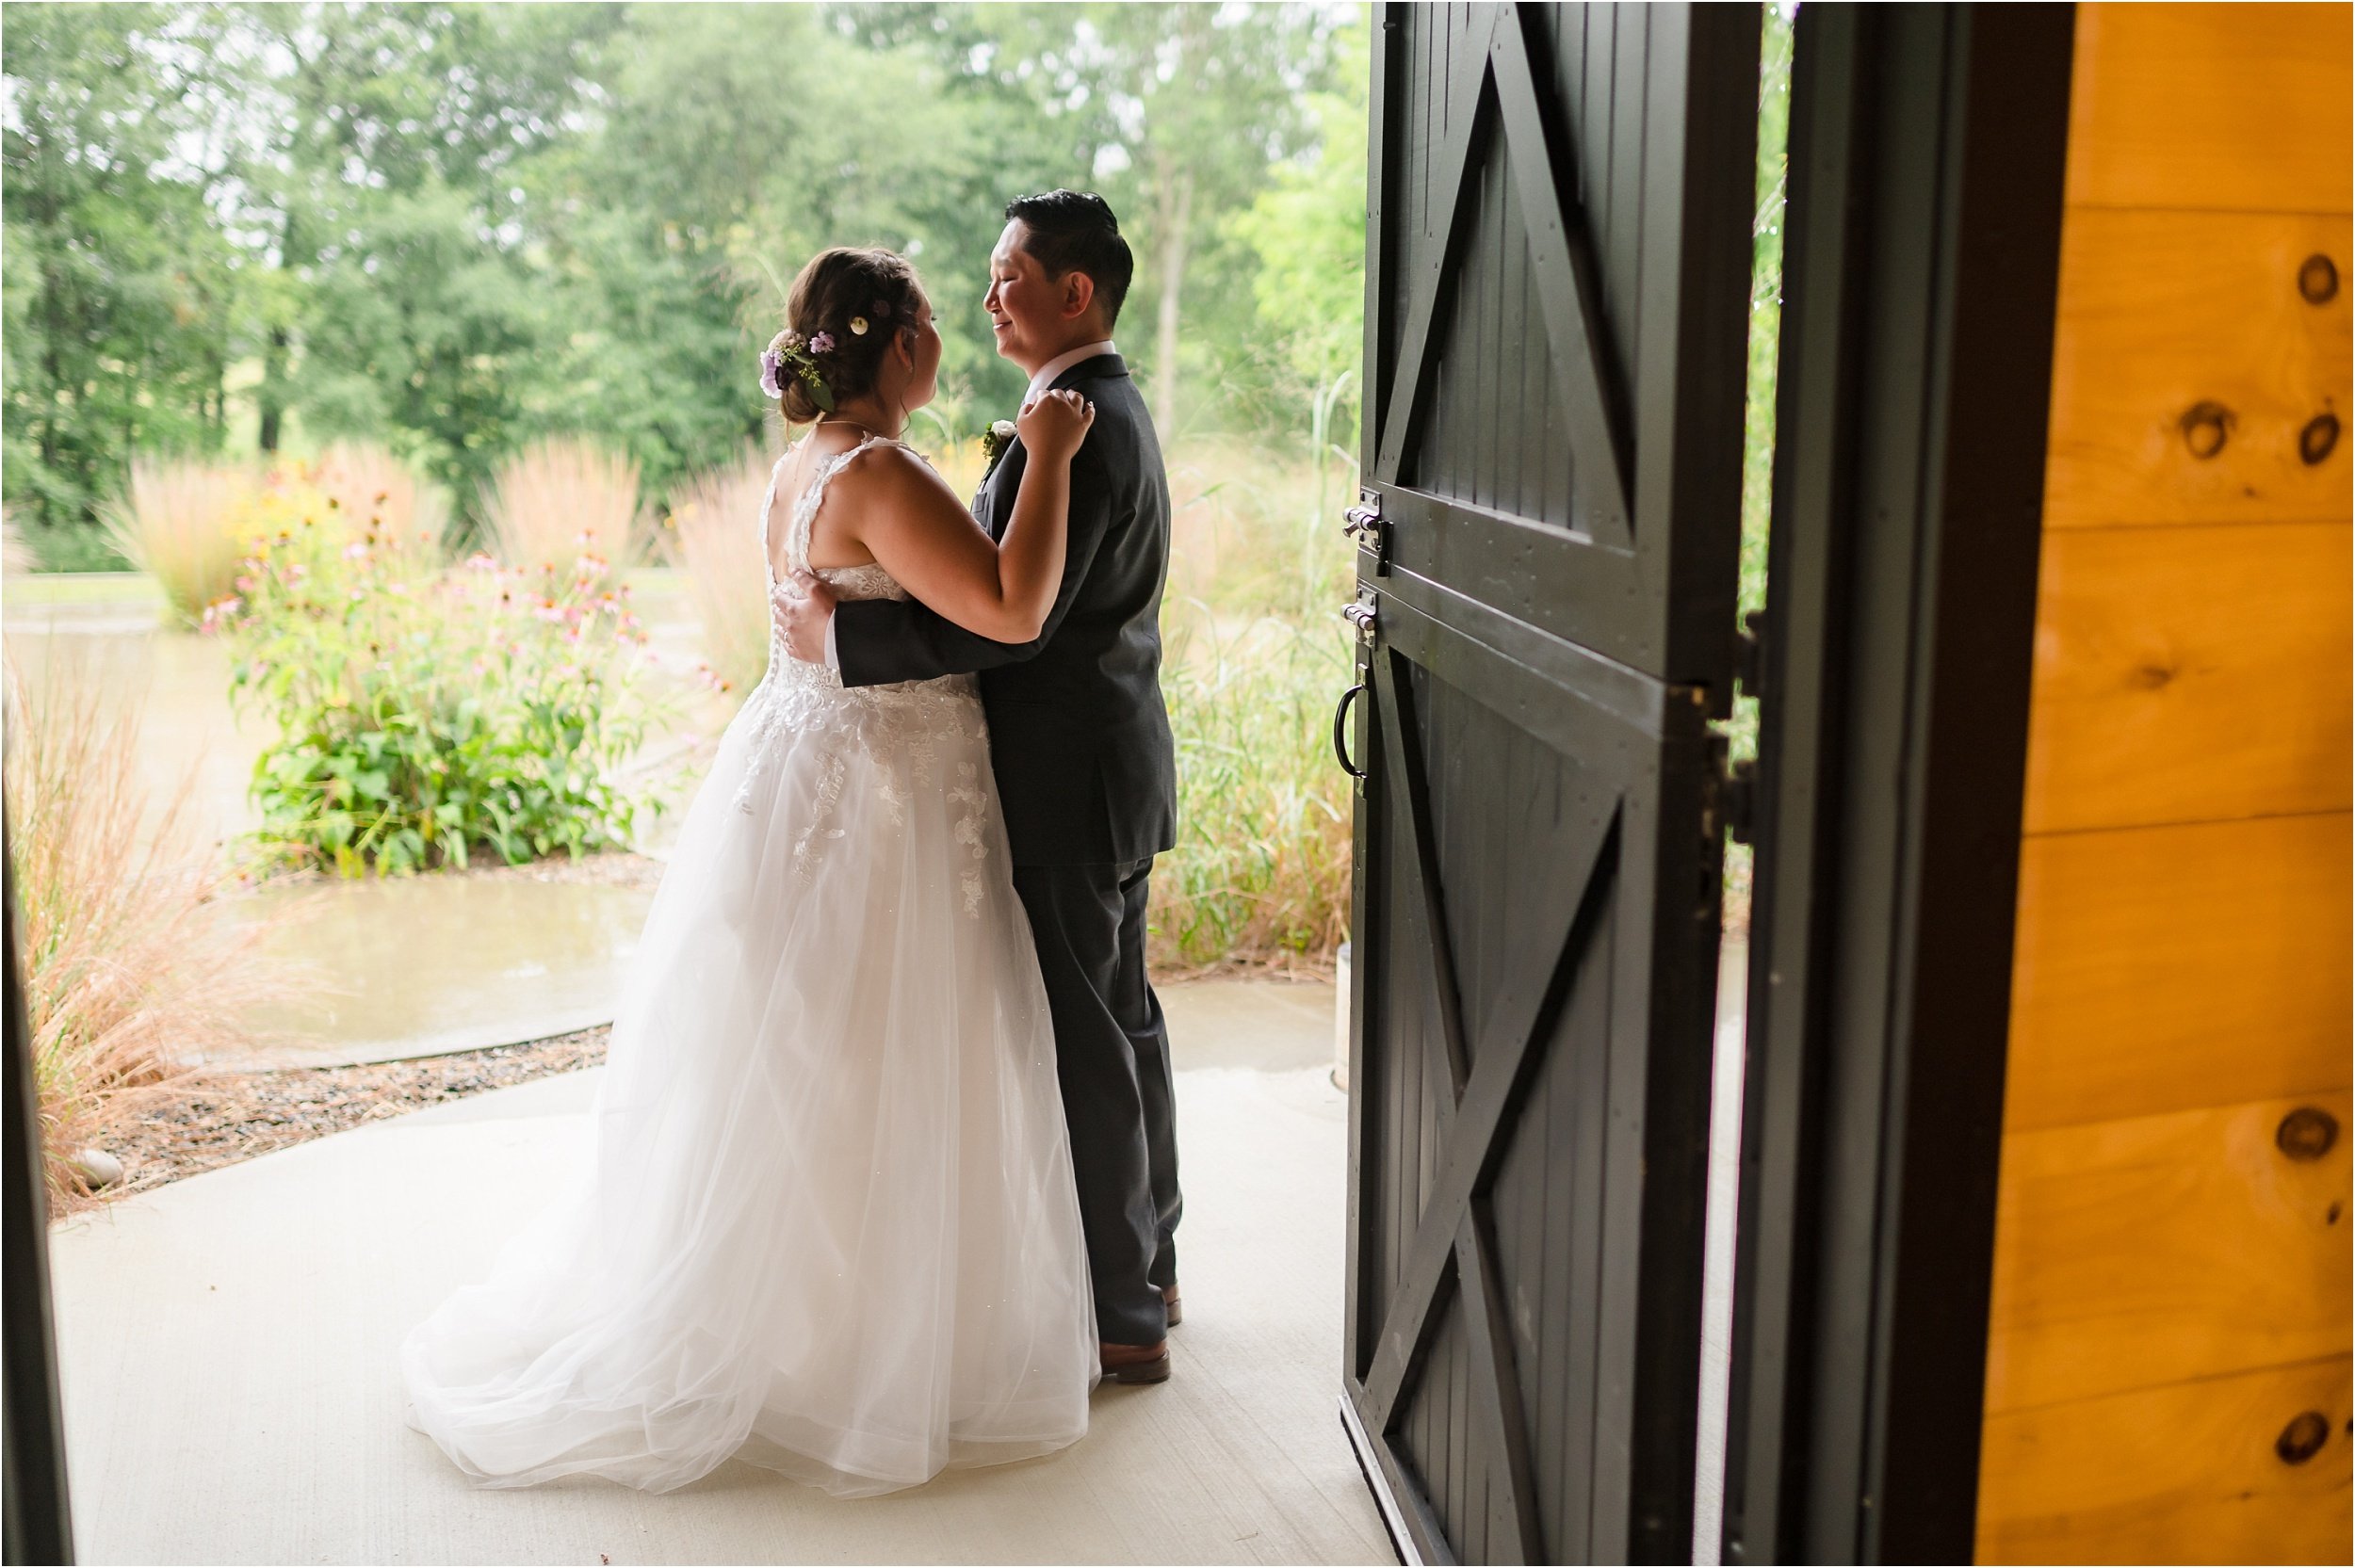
1078	734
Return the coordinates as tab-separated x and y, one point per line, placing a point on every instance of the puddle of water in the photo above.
418	967
426	965
191	738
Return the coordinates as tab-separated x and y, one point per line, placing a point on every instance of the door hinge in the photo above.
1749	655
1364	523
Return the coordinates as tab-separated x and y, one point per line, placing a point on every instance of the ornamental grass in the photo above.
179	519
712	535
1255	658
561	500
132	971
371	491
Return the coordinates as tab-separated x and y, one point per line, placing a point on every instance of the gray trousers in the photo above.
1112	1054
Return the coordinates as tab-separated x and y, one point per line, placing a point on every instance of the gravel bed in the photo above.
217	1117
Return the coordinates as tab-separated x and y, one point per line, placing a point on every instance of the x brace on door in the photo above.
1497	78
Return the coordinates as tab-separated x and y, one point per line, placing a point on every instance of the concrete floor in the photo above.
231	1394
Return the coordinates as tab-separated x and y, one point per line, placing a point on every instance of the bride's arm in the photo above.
921	534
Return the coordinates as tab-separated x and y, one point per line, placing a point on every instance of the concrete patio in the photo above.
230	1393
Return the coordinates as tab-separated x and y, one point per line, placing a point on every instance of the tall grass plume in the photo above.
131	972
378	495
181	521
561	500
712	535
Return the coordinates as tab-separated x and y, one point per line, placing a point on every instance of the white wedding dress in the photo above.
829	1228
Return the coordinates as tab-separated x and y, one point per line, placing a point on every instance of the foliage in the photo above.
1182	113
119	283
1765	335
1758	414
178	522
1261	872
1308	231
360	478
458	229
425	714
129	970
564	500
1255	660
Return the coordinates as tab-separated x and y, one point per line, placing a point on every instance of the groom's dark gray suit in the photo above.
1080	740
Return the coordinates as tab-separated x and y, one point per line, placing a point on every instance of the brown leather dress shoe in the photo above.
1134	1363
1169	1299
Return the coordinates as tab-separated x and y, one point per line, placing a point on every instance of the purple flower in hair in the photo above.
821	344
772	374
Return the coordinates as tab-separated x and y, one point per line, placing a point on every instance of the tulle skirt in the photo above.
829	1226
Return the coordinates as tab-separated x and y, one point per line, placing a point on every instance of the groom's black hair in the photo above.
1074	231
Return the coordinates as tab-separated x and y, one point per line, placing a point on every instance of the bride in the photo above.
829	1226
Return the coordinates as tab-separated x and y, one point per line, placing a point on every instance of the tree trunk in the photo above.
1177	217
273	393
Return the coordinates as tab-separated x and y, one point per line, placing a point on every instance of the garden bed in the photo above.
217	1118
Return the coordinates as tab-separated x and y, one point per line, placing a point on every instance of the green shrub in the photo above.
426	713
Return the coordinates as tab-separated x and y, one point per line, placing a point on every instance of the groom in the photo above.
1080	743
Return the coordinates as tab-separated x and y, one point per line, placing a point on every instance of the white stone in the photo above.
97	1168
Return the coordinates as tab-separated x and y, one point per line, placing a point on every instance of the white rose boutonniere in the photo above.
994	443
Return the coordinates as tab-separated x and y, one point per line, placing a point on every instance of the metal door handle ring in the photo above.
1340	731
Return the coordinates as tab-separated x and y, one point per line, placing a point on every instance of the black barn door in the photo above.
1559	219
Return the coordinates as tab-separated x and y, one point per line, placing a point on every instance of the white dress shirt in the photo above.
1040	382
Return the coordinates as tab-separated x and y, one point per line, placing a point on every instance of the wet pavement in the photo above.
414	966
427	966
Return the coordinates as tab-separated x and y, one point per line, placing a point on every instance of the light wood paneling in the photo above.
2166	1249
2239	107
2185	1473
2189	674
2160	969
2188	364
2171	1289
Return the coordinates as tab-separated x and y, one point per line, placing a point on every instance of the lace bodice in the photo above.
897	725
849	582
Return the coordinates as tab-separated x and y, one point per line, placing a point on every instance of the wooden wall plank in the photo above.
2189	674
2185	1473
2237	106
2171	1290
2163	1249
2189	364
2160	969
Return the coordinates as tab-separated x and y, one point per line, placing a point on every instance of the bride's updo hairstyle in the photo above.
845	309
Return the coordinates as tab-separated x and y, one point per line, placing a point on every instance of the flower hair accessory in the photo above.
790	350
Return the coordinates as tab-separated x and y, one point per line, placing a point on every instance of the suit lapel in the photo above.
994	502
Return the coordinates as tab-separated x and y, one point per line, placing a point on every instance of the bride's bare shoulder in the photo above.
889	471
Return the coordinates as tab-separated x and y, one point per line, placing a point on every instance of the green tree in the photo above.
1177	113
119	283
1307	233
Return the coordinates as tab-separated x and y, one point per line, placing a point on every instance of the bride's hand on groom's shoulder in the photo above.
802	606
1055	424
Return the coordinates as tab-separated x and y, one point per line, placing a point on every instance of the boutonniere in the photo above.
994	443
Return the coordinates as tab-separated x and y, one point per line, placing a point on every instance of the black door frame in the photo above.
38	1524
1928	150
